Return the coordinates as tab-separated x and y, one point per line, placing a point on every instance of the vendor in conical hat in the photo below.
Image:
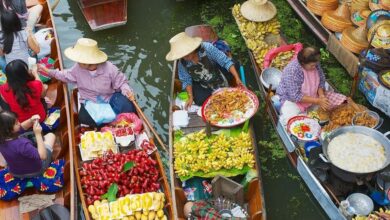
202	67
97	79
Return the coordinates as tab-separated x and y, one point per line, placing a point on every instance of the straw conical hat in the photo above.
182	45
337	20
359	17
86	51
355	40
318	7
385	4
375	4
258	10
358	5
382	34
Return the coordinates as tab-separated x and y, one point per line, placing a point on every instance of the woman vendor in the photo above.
97	79
303	85
202	67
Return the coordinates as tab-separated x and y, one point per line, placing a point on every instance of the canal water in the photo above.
139	50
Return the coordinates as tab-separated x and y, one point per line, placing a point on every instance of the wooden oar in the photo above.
149	125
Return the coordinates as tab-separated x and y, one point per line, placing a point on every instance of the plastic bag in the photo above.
101	113
44	38
249	176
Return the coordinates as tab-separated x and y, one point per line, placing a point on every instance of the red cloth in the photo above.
35	106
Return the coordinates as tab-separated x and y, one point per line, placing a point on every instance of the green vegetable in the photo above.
111	193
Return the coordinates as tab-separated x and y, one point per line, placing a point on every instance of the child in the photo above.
24	160
23	92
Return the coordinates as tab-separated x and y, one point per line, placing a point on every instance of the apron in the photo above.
206	72
311	82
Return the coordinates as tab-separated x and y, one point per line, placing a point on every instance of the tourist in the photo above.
23	93
22	157
303	85
28	17
14	41
97	79
202	67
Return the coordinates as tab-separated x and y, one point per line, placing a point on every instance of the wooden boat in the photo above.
76	131
326	191
103	14
254	196
63	148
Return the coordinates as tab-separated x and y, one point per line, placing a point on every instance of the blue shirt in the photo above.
213	54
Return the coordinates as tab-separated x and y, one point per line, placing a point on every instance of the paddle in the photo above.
149	125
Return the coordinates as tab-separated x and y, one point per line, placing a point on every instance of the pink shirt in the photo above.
311	82
106	81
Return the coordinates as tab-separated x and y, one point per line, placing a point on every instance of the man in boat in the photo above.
202	67
303	85
97	79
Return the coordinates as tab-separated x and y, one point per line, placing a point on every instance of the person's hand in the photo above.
188	103
238	82
130	95
42	68
37	128
35	118
323	103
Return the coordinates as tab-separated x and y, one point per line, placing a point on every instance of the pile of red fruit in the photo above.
147	146
97	176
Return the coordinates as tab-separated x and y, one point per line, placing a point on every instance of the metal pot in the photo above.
381	138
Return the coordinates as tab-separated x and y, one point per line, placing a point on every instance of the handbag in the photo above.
101	113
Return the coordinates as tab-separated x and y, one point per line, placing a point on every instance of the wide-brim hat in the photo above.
86	51
359	17
382	34
182	45
355	40
337	20
375	5
258	10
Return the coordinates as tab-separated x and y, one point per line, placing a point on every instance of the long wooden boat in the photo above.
254	197
327	191
63	148
76	132
103	14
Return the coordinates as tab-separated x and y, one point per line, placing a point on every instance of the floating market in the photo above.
192	109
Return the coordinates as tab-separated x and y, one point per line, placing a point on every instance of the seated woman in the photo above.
96	78
202	67
22	157
14	41
23	93
28	16
303	85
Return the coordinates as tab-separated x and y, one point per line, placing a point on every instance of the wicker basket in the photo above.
337	20
355	40
358	5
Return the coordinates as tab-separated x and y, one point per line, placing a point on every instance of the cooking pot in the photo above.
381	138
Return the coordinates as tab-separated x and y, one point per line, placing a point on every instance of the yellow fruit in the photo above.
103	201
160	213
94	216
96	203
145	212
151	215
91	209
131	217
125	218
144	217
138	215
164	218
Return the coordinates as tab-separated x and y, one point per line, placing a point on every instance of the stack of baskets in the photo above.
355	40
318	7
358	5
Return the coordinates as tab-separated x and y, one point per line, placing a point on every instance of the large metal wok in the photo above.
351	176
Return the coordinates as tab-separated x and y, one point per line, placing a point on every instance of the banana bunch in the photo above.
196	152
282	59
255	34
381	215
147	206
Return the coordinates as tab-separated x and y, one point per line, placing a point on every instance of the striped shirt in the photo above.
291	83
212	53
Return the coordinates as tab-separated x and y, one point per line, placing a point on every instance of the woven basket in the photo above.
355	40
337	20
358	5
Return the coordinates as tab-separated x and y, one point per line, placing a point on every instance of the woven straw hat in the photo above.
355	40
318	7
375	5
258	10
359	17
86	51
337	20
382	34
182	45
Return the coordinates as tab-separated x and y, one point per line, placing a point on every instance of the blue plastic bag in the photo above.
101	113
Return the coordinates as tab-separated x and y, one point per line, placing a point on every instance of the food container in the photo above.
360	204
271	76
302	129
310	145
379	120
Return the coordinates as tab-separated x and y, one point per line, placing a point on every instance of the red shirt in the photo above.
35	106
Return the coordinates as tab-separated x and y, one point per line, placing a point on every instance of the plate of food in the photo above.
304	128
228	107
321	115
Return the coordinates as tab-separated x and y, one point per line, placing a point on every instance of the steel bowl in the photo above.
360	204
271	76
379	120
